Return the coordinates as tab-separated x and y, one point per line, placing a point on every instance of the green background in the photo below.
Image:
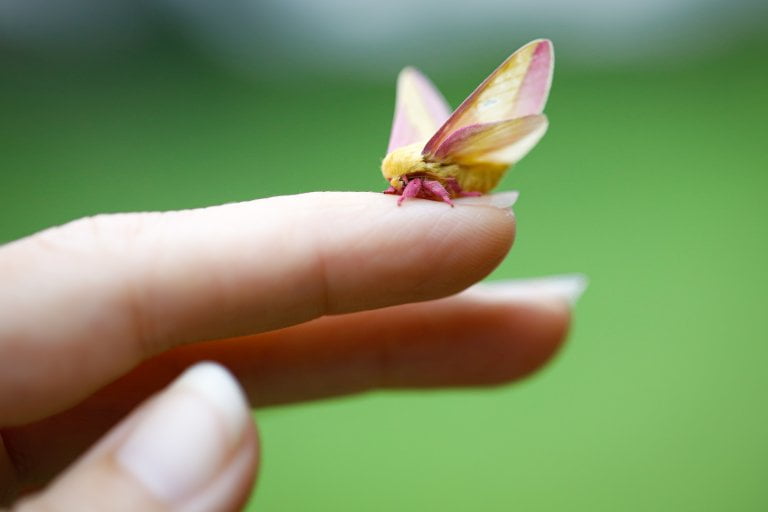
652	181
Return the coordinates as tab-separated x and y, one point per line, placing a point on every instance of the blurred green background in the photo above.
652	181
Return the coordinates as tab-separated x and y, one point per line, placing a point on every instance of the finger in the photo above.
487	335
193	447
474	339
84	303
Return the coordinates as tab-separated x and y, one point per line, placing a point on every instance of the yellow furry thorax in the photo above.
408	161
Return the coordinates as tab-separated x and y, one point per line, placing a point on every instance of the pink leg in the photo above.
391	190
437	189
454	187
412	189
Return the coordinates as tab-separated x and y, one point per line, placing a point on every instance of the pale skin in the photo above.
299	297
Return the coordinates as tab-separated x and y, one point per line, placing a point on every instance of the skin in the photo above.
300	297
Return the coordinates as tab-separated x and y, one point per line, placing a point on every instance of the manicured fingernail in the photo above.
188	433
568	287
499	199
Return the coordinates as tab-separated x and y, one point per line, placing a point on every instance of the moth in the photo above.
434	154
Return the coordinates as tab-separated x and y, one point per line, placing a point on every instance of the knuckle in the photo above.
102	236
116	249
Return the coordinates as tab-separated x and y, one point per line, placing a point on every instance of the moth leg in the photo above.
391	190
412	189
454	187
437	189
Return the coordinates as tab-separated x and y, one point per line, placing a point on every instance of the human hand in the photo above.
304	297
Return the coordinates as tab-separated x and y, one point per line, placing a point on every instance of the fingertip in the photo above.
513	342
377	254
532	324
545	326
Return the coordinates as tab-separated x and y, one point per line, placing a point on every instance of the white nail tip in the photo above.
184	436
499	199
568	286
216	384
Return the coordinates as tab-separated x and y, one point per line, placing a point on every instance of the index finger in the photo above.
84	303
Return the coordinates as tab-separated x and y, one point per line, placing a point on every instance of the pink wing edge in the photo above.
403	131
537	127
533	94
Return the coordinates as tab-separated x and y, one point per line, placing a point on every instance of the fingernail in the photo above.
502	200
567	286
188	433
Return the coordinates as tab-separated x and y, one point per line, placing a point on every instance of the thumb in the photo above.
192	447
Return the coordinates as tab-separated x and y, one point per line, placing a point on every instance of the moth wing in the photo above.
420	109
517	88
503	142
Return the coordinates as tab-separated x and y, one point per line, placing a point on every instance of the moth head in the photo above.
398	182
402	162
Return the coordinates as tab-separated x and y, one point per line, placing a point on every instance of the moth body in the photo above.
406	163
439	155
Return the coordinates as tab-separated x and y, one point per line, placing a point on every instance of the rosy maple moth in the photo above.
434	154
